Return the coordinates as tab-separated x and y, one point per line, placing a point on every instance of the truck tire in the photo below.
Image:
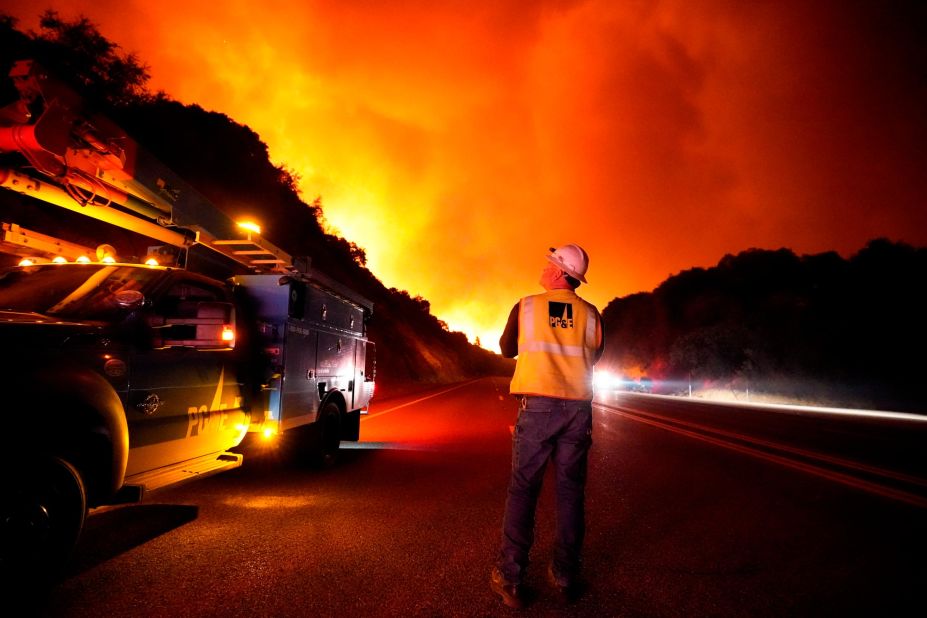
41	516
328	436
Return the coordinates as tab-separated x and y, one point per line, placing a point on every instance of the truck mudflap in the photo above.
350	426
185	471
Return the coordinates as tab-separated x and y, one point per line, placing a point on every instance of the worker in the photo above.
557	337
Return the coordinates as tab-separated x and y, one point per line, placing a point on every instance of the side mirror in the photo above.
204	325
129	299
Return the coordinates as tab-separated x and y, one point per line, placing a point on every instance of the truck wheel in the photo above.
41	516
328	436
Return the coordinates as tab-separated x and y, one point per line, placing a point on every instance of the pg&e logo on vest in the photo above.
561	314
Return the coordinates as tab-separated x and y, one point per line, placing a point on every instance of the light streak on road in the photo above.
793	408
719	440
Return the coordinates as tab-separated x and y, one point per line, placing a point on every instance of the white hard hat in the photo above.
571	259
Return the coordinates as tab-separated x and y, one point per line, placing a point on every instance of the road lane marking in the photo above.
789	408
832	475
390	446
410	403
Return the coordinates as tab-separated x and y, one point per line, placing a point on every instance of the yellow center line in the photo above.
410	403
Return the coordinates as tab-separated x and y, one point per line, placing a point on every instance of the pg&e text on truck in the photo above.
124	377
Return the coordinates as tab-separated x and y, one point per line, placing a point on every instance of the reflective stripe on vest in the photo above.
554	360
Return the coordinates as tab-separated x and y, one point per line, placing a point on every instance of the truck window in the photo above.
73	291
182	299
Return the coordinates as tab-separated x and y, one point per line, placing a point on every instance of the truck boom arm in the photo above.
87	164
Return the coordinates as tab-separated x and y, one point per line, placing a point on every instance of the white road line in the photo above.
839	461
832	475
792	408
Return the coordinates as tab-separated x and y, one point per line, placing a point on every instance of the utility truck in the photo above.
123	376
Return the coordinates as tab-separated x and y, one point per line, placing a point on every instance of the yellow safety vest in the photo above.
557	342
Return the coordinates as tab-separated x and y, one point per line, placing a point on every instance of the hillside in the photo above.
229	164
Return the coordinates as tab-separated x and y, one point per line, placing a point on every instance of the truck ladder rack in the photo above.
255	253
19	241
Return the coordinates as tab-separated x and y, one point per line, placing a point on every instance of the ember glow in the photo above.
456	143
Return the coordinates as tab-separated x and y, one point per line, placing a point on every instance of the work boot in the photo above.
568	590
512	594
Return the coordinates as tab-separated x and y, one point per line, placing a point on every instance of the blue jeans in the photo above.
548	429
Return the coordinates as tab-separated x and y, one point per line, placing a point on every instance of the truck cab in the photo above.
150	338
130	377
122	378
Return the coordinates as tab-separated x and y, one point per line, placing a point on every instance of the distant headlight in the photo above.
604	380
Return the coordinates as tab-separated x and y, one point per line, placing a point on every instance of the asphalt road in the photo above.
408	524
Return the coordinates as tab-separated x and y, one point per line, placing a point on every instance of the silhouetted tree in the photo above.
229	164
813	326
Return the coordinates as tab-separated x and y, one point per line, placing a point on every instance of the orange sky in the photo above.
455	144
